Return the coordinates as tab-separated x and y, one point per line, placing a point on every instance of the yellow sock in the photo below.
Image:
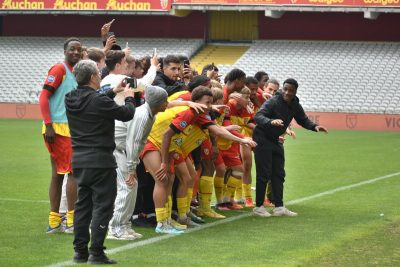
189	199
205	191
70	218
231	186
181	203
247	190
219	188
169	207
161	214
238	192
54	219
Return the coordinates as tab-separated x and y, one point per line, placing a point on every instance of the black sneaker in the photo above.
80	257
144	221
100	259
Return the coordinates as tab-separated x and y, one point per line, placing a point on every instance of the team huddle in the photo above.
151	136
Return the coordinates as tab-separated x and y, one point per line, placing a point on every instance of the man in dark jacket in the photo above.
169	77
91	119
272	120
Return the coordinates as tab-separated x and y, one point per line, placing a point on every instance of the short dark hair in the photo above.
235	74
113	57
69	40
260	74
250	80
199	92
170	59
197	81
95	54
292	82
208	67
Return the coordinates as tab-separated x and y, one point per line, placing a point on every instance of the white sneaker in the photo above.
261	211
124	236
133	233
283	211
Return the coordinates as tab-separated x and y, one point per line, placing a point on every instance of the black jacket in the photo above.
277	108
169	85
91	122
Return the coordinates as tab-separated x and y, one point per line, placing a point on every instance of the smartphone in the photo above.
127	45
186	63
154	51
131	81
110	34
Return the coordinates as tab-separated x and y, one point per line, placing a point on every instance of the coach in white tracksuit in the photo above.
130	138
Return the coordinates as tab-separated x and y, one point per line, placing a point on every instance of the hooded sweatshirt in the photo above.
277	108
91	121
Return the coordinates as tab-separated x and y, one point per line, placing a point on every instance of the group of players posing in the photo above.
220	130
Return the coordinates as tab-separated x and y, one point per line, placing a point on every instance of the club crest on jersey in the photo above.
208	117
183	124
178	141
51	78
176	156
206	151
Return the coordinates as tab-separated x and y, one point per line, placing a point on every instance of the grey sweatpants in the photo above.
126	198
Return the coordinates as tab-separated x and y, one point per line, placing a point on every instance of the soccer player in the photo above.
172	139
241	116
55	130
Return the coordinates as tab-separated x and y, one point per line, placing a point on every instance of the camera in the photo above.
131	81
110	34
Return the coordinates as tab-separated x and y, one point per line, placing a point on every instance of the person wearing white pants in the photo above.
130	138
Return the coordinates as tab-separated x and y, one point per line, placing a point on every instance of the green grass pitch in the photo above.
352	226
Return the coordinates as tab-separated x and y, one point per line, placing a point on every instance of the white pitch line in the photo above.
231	219
24	200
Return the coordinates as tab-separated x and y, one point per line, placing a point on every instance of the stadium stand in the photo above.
359	77
217	54
24	61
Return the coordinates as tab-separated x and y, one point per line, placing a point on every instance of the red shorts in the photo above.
206	150
231	156
61	152
177	157
219	160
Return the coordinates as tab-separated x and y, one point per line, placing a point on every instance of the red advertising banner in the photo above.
358	3
100	5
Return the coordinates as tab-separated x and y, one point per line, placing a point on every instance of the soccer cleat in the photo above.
195	218
222	207
133	233
268	203
239	201
188	222
165	228
210	214
261	211
249	203
100	259
58	229
234	206
177	225
69	230
282	211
